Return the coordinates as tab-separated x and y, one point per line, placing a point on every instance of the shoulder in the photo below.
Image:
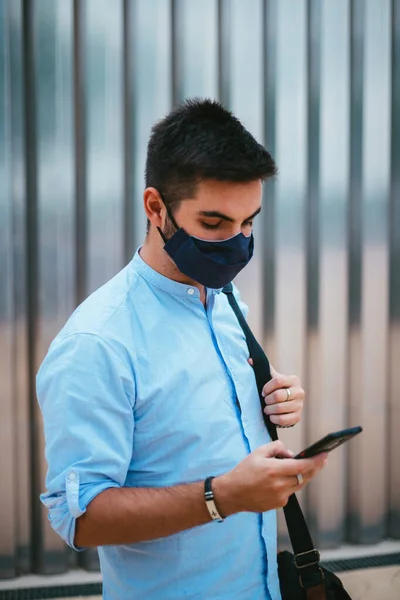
103	307
96	331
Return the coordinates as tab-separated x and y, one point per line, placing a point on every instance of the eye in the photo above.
210	226
248	224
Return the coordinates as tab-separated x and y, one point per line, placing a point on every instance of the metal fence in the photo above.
318	82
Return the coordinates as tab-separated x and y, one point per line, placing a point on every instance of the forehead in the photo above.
236	200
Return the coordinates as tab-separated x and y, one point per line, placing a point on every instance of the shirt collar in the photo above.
168	285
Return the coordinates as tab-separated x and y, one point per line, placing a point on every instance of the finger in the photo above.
304	480
302	466
292	482
281	408
274	449
282	396
280	382
286	453
276	383
285	420
279	396
250	361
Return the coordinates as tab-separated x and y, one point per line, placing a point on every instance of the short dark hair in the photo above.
201	140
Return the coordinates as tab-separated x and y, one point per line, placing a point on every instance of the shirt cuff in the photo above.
65	508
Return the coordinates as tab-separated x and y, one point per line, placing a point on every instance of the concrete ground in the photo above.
373	584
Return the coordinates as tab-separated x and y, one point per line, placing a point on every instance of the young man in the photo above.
147	392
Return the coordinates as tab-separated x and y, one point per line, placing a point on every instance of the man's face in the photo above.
219	210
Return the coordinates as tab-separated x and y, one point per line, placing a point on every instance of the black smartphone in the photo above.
329	442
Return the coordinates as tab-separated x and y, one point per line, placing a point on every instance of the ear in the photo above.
154	207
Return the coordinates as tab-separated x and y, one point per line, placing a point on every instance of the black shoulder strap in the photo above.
299	534
262	370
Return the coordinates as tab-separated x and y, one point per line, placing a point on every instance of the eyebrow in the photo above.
216	214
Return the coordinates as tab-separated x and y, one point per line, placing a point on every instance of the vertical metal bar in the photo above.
103	73
224	50
53	57
356	157
176	91
80	155
357	18
290	194
375	277
62	224
394	271
32	274
8	539
312	242
327	301
128	110
20	296
313	157
247	102
268	214
368	357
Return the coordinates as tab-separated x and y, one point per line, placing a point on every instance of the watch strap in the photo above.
210	501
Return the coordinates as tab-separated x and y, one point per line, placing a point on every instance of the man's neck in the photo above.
154	255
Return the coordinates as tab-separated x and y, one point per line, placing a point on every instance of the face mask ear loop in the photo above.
170	215
171	218
162	235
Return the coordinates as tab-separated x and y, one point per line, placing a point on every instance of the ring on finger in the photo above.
299	479
288	394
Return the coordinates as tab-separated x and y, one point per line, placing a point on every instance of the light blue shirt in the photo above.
139	389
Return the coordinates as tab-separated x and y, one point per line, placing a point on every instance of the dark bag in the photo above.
301	576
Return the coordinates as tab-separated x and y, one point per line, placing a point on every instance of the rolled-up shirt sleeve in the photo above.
86	393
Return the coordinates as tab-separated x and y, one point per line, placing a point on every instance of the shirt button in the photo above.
72	476
190	291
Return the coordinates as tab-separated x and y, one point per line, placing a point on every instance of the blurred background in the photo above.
318	82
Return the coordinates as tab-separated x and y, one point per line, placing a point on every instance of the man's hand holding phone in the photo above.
260	482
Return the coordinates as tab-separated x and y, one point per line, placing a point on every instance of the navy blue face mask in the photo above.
214	264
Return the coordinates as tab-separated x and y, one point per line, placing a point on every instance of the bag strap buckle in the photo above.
313	558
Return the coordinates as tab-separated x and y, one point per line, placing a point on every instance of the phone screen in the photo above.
329	442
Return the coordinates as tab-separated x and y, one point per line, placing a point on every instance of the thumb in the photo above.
273	450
